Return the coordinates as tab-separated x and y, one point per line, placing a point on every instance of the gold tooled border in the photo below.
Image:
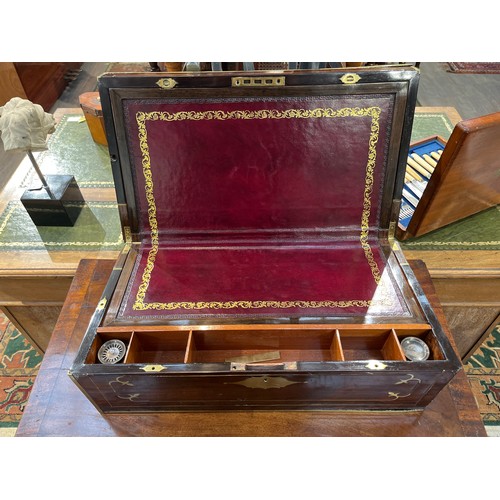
267	114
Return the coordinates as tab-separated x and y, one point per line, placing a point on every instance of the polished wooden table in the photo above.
58	408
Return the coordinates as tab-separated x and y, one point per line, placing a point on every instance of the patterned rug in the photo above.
19	364
474	67
483	372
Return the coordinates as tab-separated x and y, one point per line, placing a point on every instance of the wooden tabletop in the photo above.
58	408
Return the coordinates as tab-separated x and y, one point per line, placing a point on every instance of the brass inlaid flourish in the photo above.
266	382
396	395
118	381
262	114
411	379
130	397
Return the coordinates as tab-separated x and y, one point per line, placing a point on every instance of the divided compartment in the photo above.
382	344
265	345
385	344
428	336
101	338
158	347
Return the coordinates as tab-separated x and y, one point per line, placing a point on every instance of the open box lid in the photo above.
212	155
226	161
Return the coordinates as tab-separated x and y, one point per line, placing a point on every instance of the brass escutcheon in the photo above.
102	304
166	83
350	78
153	368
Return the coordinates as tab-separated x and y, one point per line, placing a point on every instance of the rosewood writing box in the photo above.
260	270
448	181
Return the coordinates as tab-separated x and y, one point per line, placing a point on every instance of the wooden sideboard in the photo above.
40	82
467	283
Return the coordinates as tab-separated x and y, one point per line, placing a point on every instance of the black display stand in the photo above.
60	207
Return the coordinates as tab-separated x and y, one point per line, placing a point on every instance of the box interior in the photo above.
159	345
260	207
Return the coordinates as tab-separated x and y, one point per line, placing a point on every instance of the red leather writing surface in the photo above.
277	280
258	164
252	186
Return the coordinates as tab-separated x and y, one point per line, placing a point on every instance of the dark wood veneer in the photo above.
289	361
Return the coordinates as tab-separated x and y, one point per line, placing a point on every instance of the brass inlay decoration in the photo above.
166	83
130	397
396	395
411	379
102	304
350	78
265	382
260	81
263	114
153	368
376	365
118	381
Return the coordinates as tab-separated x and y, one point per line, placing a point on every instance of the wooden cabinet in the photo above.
467	283
40	82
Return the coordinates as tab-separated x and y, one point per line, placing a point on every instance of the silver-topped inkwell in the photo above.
415	349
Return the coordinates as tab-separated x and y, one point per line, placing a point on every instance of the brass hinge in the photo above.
166	83
258	81
128	234
392	232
